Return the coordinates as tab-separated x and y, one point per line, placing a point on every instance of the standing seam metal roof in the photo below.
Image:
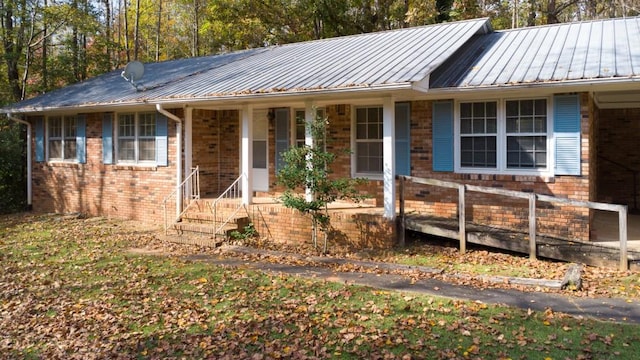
599	49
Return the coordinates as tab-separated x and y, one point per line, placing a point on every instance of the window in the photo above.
478	134
503	136
526	134
62	138
300	130
291	132
136	134
533	136
368	140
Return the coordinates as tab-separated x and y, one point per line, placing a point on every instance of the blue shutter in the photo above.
81	139
442	136
162	141
107	138
282	135
403	139
39	139
566	133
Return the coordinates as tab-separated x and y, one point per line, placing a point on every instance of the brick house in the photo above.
553	110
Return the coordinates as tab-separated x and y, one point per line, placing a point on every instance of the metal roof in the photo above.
601	49
374	60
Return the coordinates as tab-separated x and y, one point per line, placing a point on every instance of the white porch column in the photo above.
389	157
247	154
309	118
188	141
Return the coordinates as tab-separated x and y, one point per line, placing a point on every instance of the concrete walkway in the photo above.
603	309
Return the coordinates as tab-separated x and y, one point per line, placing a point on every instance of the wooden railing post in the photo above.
622	230
402	224
532	226
462	219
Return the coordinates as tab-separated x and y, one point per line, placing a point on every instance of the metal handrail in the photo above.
189	189
232	192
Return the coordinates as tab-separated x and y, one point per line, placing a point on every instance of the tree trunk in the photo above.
136	32
552	12
127	48
158	30
45	51
196	24
13	45
108	32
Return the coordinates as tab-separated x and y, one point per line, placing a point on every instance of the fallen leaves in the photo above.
70	290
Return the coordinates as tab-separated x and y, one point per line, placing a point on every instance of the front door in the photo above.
260	150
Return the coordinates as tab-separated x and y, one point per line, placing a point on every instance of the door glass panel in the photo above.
259	152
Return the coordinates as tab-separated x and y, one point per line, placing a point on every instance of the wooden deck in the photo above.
605	252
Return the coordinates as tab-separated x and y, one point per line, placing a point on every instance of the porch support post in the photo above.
188	145
309	118
247	154
389	157
179	194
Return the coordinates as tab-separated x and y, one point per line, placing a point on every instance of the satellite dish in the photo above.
133	72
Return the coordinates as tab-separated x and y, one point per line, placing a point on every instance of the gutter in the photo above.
178	156
29	160
608	84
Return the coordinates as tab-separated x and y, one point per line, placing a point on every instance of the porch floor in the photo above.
605	230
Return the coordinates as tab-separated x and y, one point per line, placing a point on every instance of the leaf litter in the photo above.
71	290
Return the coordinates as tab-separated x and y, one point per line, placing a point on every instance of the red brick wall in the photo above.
108	190
350	230
216	149
619	132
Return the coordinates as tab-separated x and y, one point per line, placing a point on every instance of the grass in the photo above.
73	281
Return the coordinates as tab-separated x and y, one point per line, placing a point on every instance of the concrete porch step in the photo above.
200	217
208	228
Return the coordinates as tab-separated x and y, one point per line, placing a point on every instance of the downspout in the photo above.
29	161
178	156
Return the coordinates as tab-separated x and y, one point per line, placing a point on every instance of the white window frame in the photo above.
136	137
501	141
62	138
354	143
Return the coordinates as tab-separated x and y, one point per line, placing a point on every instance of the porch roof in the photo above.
600	50
398	59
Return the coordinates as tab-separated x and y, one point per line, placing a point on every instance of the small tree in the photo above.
309	168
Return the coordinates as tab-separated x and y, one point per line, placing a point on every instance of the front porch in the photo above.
361	226
355	226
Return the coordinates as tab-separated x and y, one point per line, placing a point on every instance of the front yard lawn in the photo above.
70	289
